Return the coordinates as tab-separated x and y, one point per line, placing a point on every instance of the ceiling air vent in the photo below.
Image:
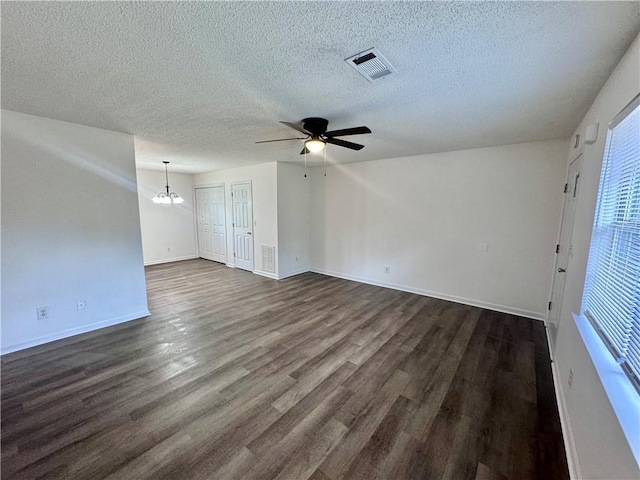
371	64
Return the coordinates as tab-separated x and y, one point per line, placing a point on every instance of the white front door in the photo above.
242	225
564	248
210	216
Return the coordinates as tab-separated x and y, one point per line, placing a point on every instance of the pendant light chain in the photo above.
305	161
167	196
166	175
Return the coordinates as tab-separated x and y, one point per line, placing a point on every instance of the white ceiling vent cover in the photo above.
371	64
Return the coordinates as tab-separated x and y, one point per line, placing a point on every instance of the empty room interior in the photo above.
320	240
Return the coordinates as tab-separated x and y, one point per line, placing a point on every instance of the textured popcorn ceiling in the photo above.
198	83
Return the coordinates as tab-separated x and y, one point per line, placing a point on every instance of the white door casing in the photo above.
210	214
564	247
242	225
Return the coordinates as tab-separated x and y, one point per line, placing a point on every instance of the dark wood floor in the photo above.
239	376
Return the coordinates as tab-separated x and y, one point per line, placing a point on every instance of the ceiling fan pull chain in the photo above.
325	161
305	162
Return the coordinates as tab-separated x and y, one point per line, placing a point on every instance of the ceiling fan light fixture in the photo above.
314	144
317	135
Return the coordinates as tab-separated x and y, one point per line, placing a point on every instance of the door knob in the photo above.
248	233
562	270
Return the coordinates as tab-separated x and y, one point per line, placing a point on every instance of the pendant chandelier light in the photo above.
167	197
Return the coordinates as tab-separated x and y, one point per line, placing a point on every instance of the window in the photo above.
611	299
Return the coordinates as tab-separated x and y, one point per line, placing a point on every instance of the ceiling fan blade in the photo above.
281	140
296	126
305	150
348	131
344	143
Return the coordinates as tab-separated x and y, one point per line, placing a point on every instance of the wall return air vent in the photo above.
269	258
371	64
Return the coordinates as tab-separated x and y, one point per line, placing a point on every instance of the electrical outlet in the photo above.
483	247
387	269
570	380
168	249
81	304
42	312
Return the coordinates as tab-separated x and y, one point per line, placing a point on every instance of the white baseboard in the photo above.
266	274
231	265
169	260
442	296
294	273
565	424
74	331
280	277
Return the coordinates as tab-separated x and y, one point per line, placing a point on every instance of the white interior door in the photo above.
203	215
242	225
564	248
210	216
218	224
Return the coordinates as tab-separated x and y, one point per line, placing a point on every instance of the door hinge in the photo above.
566	187
558	248
234	254
549	306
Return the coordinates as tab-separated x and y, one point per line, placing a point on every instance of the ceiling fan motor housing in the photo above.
315	125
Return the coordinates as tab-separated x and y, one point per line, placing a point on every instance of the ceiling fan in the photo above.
317	136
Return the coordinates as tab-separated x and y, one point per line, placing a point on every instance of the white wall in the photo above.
425	217
293	220
70	230
168	231
263	179
601	449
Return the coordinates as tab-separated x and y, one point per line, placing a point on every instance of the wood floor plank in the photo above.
299	439
287	422
148	464
223	453
399	460
362	426
378	448
304	463
463	457
236	376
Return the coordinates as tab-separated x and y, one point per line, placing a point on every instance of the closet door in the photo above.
218	224
210	214
203	215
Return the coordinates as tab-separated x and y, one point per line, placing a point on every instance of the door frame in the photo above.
195	214
253	225
575	156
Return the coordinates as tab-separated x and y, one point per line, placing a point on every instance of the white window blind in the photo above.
612	290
